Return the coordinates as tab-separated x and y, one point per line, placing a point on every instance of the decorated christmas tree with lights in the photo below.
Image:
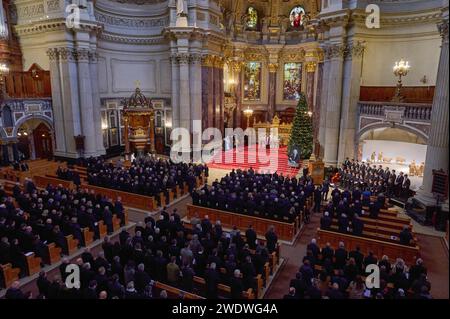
302	132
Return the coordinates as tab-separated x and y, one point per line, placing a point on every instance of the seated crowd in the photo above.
270	196
147	175
68	175
348	208
32	219
353	174
166	251
339	274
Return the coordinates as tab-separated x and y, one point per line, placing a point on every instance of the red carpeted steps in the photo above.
260	159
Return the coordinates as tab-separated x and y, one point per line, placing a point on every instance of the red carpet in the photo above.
273	160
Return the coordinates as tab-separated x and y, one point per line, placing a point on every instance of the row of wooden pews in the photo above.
36	167
261	280
132	200
385	229
11	274
285	231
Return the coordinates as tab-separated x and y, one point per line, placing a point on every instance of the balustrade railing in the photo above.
411	111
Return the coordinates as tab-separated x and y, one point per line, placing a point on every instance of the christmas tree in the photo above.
302	133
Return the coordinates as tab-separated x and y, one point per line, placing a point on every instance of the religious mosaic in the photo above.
292	81
252	81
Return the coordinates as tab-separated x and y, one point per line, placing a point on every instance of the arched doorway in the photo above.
42	141
35	139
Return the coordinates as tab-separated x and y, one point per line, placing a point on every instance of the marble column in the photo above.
185	96
350	99
238	92
196	87
58	111
221	98
310	80
273	67
208	91
96	103
323	106
437	149
175	91
335	54
86	103
317	111
70	101
216	90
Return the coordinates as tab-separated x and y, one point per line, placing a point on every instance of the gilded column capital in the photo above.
311	67
219	62
208	60
273	67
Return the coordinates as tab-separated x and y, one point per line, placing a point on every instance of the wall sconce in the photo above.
424	80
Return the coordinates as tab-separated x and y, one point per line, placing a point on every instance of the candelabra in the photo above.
401	68
248	113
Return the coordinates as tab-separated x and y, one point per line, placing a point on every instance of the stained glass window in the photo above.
252	18
297	17
292	81
252	81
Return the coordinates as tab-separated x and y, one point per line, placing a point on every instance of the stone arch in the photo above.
24	119
378	125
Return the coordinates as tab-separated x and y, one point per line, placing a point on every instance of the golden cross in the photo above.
137	83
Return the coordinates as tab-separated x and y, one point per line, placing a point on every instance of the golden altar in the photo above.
139	132
284	129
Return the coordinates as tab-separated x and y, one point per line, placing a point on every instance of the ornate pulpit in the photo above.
316	168
139	131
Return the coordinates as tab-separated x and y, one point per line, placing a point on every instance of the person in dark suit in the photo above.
406	187
14	292
341	256
43	284
343	223
314	248
357	226
236	285
326	221
300	285
251	237
108	219
271	239
406	236
291	295
212	280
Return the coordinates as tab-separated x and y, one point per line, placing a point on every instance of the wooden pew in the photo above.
378	247
10	274
88	236
174	293
72	244
43	181
128	199
103	231
33	263
285	231
116	223
223	290
54	253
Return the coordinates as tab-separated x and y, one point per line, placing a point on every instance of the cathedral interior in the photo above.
374	75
